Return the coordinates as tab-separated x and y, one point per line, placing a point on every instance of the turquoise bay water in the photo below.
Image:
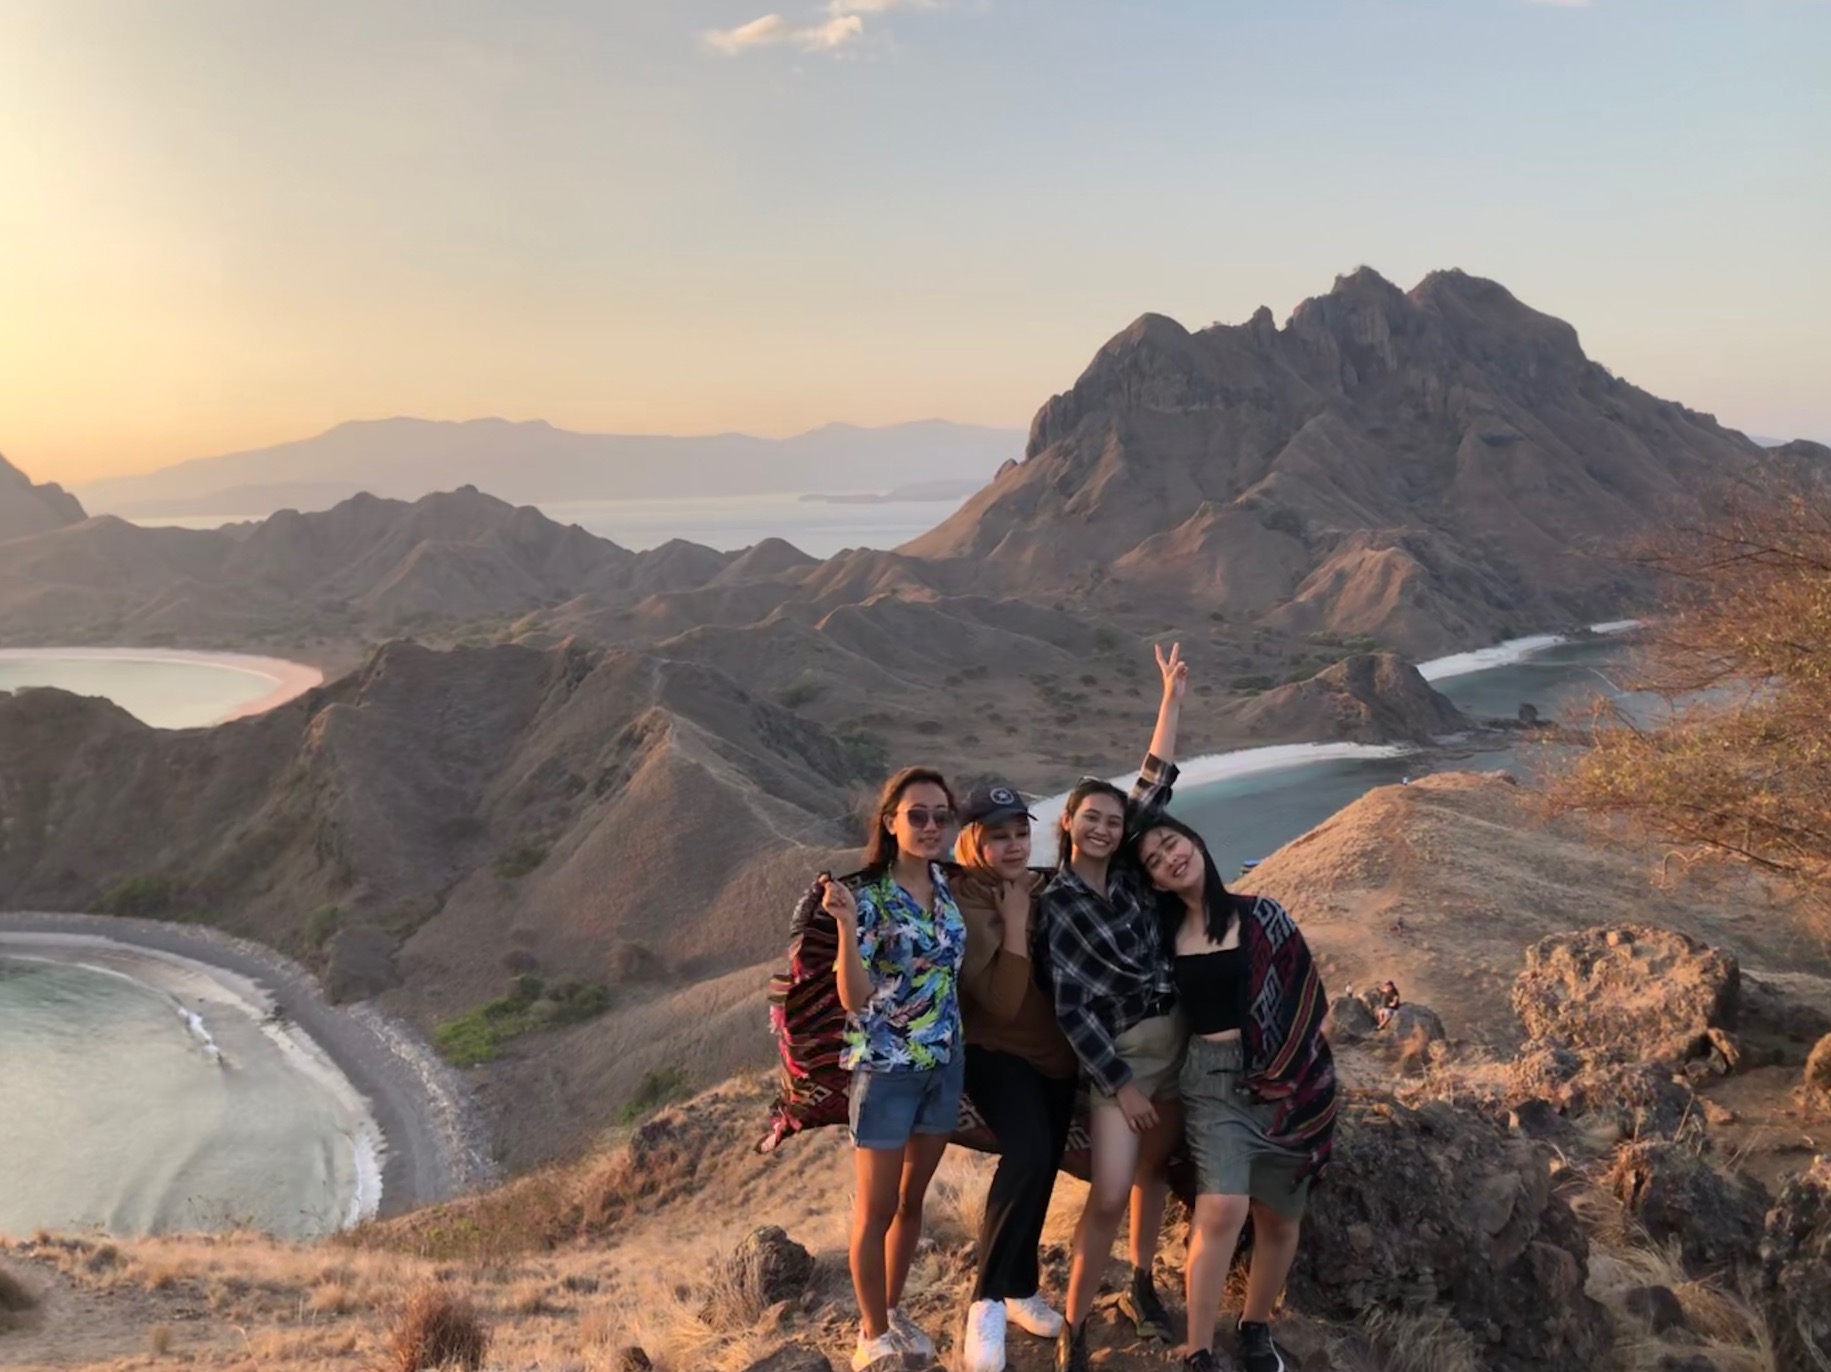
166	694
130	1117
1251	816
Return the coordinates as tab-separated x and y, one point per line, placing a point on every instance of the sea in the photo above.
140	1098
169	691
818	527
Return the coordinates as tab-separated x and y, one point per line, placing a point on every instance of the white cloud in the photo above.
843	26
758	33
832	35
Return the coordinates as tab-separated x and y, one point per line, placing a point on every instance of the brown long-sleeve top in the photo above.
1004	1008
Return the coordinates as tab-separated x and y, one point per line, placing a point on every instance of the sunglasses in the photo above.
923	819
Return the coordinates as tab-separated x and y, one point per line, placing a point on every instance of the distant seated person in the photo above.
1389	1002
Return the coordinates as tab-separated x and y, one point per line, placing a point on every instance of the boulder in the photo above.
1636	1101
765	1269
1815	1086
1676	1193
1795	1282
1414	1026
1629	993
1438	1206
1349	1020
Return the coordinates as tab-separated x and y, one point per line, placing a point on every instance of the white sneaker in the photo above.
870	1351
905	1331
1034	1315
985	1337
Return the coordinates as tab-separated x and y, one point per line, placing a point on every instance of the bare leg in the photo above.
920	1158
1213	1234
1115	1162
1149	1189
1274	1249
878	1172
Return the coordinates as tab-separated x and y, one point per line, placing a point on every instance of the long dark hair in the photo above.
1218	912
1088	786
881	846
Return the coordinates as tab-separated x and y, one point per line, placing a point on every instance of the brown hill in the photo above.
28	509
1429	468
365	568
600	815
1367	698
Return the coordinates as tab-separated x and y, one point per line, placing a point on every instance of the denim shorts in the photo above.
888	1108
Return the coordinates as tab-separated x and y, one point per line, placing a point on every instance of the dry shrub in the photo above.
437	1329
955	1206
336	1296
159	1339
1396	1341
529	1298
1738	769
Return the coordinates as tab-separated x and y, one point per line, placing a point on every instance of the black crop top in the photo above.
1212	989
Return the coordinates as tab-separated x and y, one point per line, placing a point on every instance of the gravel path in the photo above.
436	1145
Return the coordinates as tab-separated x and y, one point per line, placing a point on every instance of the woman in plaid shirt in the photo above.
1115	999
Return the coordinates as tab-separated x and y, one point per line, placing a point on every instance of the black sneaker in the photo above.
1201	1360
1071	1349
1258	1353
1140	1305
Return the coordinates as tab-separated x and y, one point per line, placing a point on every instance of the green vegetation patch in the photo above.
655	1091
519	860
145	897
479	1035
321	923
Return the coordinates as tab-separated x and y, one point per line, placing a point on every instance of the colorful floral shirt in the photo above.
912	1021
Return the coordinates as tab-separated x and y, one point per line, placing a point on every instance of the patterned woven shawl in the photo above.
1287	1058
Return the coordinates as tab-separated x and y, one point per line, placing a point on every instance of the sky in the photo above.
228	223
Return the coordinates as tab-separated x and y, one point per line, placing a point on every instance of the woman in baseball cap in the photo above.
1020	1069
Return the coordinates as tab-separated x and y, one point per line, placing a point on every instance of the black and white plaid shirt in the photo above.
1106	954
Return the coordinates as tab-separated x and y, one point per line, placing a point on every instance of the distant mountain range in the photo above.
534	463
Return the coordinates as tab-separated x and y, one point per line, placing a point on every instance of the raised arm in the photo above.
1152	789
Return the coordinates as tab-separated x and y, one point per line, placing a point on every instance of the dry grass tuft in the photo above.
1394	1341
530	1298
955	1207
437	1329
159	1340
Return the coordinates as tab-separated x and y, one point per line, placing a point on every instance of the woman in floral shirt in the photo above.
901	940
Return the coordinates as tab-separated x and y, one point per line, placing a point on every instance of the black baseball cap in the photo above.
989	804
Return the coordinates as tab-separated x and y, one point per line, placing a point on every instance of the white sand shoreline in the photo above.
415	1135
287	679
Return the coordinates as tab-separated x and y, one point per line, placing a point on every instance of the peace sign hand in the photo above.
1175	670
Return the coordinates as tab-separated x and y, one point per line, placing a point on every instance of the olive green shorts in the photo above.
1153	1049
1226	1131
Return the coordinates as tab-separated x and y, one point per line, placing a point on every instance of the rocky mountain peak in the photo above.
26	508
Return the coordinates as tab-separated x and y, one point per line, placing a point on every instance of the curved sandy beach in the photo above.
425	1136
286	680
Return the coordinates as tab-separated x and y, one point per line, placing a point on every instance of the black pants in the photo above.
1029	1114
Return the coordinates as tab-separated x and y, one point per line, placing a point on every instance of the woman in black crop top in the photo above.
1240	1169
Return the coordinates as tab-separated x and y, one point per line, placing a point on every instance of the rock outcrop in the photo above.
1630	994
1368	698
1438	1206
1815	1084
1676	1193
1796	1272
